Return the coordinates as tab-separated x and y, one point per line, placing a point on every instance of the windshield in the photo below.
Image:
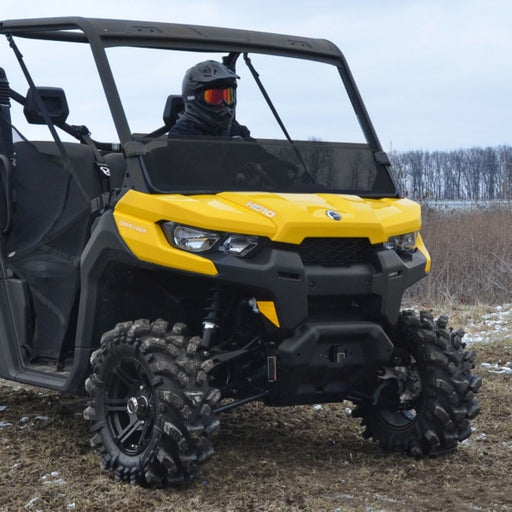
309	96
326	151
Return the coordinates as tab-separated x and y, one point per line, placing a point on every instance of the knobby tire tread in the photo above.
448	390
183	422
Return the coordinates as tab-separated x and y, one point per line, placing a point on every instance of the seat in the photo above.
174	106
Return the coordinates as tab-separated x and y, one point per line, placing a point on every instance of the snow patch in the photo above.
31	503
496	368
492	326
52	479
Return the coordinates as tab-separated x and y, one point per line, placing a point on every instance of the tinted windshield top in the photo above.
218	164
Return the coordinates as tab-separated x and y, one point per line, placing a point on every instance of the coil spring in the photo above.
212	319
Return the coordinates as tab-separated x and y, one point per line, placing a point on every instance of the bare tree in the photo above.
475	173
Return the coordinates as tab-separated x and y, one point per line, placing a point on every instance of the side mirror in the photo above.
54	99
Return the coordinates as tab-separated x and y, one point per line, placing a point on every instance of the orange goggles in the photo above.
217	96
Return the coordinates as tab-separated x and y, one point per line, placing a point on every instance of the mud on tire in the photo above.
151	405
424	401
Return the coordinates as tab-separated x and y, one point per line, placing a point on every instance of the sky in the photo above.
434	74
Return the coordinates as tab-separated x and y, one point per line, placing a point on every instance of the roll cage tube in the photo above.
91	36
61	29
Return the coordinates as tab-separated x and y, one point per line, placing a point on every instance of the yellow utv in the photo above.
174	277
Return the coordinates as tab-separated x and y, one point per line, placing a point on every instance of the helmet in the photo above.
210	74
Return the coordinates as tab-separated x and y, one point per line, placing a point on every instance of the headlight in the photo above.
402	243
200	240
190	239
239	245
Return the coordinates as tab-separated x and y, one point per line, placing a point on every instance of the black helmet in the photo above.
209	73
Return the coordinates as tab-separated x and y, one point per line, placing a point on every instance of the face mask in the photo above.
214	118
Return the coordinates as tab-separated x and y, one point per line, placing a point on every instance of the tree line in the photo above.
464	174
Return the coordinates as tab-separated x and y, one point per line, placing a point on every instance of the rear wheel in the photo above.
424	400
151	405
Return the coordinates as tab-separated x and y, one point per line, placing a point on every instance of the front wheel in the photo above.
422	403
151	404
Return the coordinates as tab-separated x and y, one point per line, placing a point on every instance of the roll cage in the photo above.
101	34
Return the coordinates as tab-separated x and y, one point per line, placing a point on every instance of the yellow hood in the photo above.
297	216
281	217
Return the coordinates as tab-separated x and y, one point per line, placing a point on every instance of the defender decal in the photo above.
129	225
261	209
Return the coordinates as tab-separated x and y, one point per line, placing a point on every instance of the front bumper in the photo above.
376	286
325	362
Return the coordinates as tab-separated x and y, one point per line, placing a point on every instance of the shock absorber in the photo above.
212	320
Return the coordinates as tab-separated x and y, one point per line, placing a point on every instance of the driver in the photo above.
209	95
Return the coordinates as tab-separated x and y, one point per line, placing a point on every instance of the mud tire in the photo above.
151	405
442	400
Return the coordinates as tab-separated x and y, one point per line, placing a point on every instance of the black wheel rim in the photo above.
398	418
404	400
129	406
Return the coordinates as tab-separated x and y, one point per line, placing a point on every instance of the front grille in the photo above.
330	252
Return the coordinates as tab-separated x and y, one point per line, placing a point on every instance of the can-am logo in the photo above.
332	214
261	209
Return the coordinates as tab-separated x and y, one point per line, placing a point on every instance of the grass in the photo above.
471	257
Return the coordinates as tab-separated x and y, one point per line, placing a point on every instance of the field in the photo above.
310	458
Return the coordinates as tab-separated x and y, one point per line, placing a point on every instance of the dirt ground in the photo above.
290	459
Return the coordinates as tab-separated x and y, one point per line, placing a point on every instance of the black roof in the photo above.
169	35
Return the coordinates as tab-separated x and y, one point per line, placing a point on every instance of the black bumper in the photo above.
325	362
294	287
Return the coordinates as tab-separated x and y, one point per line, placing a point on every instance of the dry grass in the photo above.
471	256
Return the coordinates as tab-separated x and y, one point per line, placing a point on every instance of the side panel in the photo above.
104	246
10	361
